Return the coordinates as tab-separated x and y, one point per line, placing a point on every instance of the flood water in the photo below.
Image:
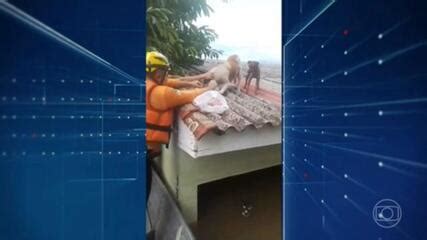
244	207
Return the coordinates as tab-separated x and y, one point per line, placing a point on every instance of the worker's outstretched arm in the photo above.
176	83
163	97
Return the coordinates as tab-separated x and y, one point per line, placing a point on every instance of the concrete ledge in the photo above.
166	219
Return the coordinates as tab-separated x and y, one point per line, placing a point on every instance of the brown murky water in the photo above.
244	207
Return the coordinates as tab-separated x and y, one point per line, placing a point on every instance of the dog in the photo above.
253	72
225	76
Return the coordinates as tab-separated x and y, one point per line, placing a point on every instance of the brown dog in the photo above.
253	72
225	75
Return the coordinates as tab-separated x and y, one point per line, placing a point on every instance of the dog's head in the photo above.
233	59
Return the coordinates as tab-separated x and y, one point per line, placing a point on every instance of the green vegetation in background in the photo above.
171	30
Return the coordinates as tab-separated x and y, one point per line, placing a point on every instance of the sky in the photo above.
249	28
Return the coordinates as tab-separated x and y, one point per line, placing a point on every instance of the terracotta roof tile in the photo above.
245	111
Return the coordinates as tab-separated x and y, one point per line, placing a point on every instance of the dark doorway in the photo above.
246	207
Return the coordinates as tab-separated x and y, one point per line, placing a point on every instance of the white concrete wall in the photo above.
183	173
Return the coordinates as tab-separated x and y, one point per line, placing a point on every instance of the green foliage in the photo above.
171	30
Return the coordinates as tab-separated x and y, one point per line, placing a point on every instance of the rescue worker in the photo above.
163	95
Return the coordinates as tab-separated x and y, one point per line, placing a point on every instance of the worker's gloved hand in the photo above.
212	85
196	84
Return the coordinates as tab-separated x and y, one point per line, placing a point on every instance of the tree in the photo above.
171	30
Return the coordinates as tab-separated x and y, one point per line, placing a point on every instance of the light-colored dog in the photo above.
225	75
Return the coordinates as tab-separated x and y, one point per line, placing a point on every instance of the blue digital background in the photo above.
355	103
355	114
71	121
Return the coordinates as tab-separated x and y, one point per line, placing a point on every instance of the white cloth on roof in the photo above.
211	102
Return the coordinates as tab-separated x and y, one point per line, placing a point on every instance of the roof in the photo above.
245	111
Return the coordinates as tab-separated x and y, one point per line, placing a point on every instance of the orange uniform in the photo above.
161	101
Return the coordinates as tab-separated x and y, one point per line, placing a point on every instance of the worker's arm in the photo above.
176	83
163	97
